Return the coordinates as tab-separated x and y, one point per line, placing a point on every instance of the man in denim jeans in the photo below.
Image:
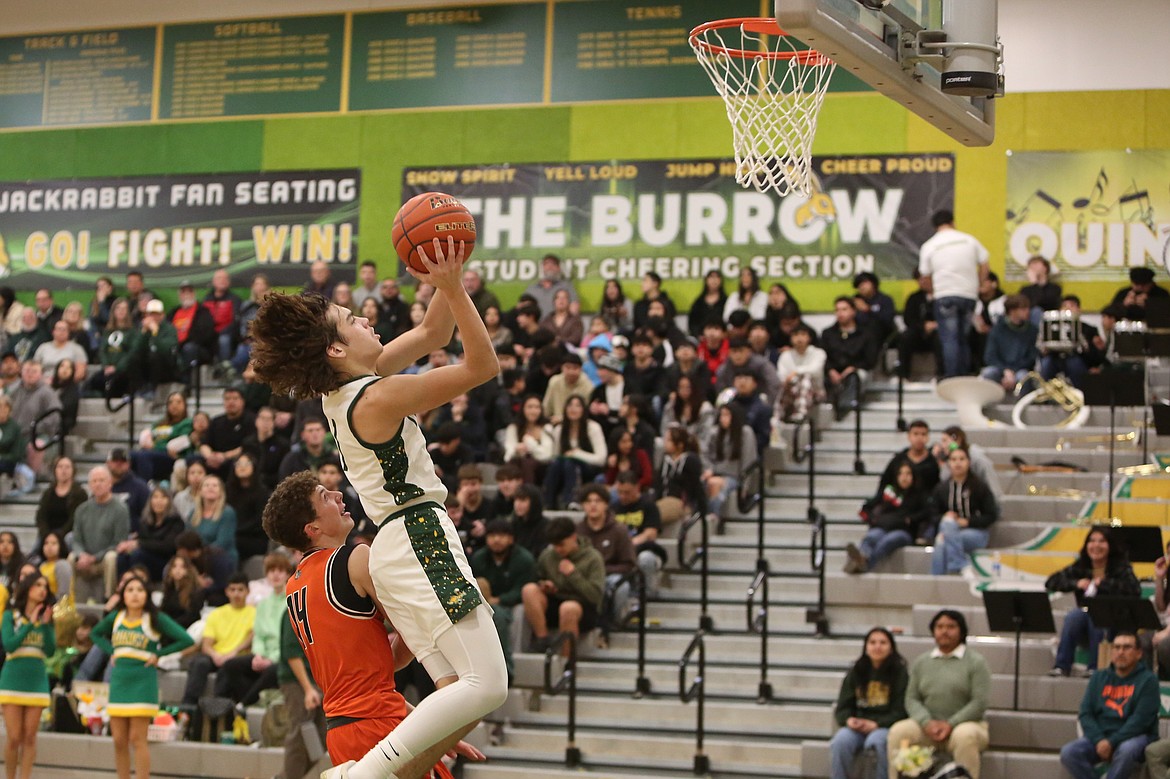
955	262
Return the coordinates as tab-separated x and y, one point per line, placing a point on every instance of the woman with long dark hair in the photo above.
579	456
182	594
1102	568
11	558
732	451
135	635
626	455
163	442
158	528
748	297
872	698
60	499
247	495
963	511
528	522
67	384
689	408
708	305
527	441
53	555
616	309
680	479
117	351
29	639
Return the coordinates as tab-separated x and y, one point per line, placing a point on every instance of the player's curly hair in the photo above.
290	336
289	509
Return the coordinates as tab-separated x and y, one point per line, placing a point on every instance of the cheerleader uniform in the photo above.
133	684
23	679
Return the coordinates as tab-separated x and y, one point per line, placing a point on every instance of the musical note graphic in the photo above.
1017	218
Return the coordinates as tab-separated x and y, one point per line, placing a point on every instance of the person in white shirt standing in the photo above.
956	264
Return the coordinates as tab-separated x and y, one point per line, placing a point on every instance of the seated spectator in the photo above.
158	344
740	357
946	697
502	568
1158	647
182	593
500	335
1084	355
66	382
528	336
981	465
366	285
570	381
643	374
246	494
781	305
634	418
610	539
60	500
652	291
963	510
163	442
53	557
528	523
61	347
921	331
227	634
679	483
372	312
850	354
528	444
688	407
449	453
9	370
266	447
128	485
99	308
48	313
1118	717
638	514
321	280
616	310
136	292
343	296
99	525
748	297
687	363
664	334
190	547
894	517
225	436
760	341
606	399
187	492
730	452
158	527
476	508
74	319
871	700
569	586
25	342
714	347
468	414
200	424
14	450
757	414
578	458
509	479
708	306
626	456
566	326
215	522
195	328
918	454
247	312
251	672
396	314
32	399
11	560
1042	294
875	309
117	353
1102	568
801	369
1011	346
314	448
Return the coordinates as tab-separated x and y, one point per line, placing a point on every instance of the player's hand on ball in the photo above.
445	271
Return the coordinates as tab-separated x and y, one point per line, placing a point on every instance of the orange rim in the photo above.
759	26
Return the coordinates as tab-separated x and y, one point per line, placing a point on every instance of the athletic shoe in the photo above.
858	562
1058	672
339	771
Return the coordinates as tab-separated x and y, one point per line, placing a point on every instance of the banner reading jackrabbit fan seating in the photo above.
1093	214
683	218
171	228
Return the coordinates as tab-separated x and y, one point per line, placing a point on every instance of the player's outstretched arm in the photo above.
434	332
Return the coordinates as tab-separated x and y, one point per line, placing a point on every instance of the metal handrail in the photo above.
858	463
641	613
126	400
568	679
757	622
699	555
696	691
57	438
816	616
196	384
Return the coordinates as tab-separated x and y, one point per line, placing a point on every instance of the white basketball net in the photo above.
773	93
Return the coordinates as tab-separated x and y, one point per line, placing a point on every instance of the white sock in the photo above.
384	761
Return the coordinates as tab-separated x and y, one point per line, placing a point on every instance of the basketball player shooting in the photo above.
309	347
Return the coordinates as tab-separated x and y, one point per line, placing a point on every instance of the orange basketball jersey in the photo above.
343	637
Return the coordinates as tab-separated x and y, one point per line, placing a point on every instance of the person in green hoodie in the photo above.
1119	715
570	583
502	569
872	698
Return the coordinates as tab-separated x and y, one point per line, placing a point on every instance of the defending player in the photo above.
332	610
307	346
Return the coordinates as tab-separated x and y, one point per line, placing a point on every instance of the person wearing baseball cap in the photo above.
605	401
160	342
194	327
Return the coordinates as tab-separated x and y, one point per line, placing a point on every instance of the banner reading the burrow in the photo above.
60	234
683	218
1093	214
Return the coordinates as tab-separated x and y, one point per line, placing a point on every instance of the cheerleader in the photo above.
29	638
133	635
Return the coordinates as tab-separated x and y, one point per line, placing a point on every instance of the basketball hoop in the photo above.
773	92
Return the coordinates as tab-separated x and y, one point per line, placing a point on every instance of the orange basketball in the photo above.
428	216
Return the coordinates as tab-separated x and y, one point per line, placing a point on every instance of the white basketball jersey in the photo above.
388	476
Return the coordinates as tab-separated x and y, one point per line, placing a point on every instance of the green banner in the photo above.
683	218
1093	215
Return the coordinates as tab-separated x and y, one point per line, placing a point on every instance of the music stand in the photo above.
1113	388
1123	613
1017	611
1143	543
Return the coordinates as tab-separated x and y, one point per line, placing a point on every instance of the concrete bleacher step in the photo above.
722	718
995	763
